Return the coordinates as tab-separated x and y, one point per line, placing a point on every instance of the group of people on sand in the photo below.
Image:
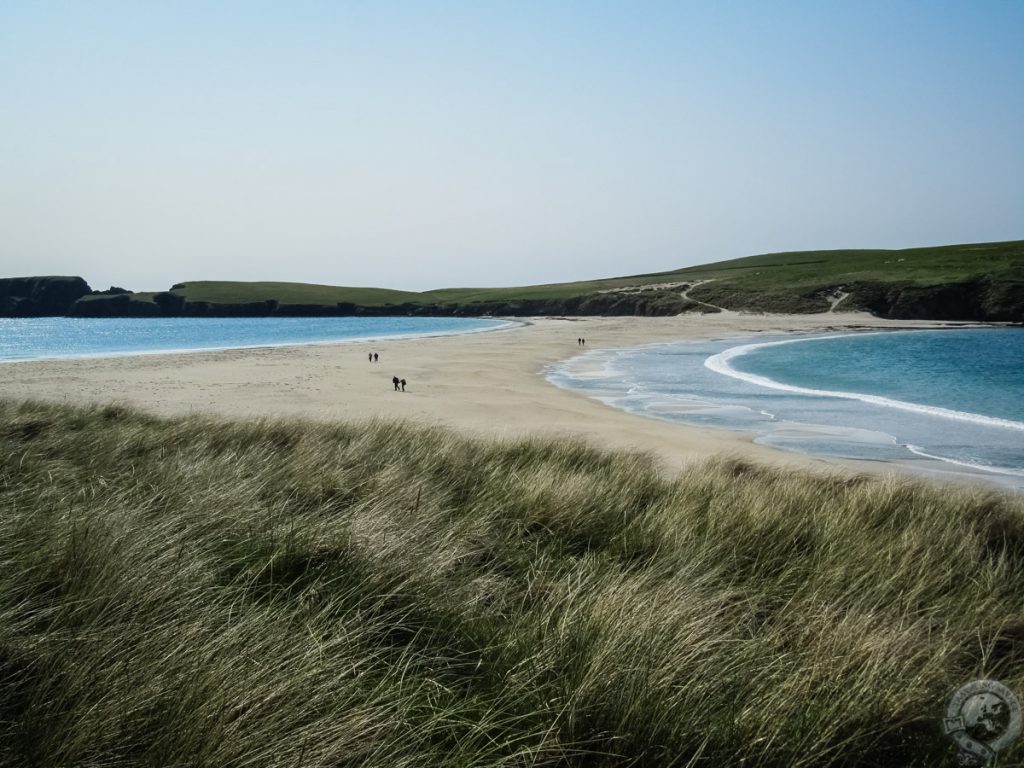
581	342
374	357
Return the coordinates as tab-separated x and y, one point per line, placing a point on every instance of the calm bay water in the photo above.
950	398
60	337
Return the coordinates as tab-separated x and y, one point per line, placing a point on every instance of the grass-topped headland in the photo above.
980	281
208	592
966	281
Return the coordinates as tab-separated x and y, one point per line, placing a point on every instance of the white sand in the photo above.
485	383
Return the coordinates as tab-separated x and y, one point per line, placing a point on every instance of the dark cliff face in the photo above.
979	300
114	305
40	296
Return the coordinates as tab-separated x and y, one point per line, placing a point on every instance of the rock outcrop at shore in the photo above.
114	305
980	300
40	296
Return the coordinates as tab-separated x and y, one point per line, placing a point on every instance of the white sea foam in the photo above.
670	390
968	464
720	363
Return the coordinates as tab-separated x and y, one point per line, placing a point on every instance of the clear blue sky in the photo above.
420	145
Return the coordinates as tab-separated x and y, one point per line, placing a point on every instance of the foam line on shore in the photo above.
720	363
918	451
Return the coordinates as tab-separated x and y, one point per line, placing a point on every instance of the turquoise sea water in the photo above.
56	337
952	398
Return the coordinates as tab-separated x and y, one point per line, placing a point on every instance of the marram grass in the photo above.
200	592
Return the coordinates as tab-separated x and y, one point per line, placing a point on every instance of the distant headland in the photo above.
982	281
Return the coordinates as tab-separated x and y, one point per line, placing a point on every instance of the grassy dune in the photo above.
193	592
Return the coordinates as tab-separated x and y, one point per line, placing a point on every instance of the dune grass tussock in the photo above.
198	592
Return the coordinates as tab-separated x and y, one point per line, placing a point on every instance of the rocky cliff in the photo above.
40	296
980	300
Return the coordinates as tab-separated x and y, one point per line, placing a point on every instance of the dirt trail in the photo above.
836	300
686	295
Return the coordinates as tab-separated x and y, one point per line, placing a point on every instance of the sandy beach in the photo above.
487	383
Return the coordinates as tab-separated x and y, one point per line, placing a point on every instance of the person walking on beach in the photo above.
395	381
370	356
375	357
403	384
579	341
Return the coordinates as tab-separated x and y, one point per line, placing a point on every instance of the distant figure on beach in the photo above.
375	357
579	341
403	385
583	342
395	381
370	356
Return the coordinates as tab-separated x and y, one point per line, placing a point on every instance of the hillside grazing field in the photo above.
794	281
778	282
201	592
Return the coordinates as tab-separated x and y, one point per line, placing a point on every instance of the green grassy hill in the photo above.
796	281
780	282
982	281
227	292
207	593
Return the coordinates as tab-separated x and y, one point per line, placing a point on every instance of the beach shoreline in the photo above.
487	384
504	324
